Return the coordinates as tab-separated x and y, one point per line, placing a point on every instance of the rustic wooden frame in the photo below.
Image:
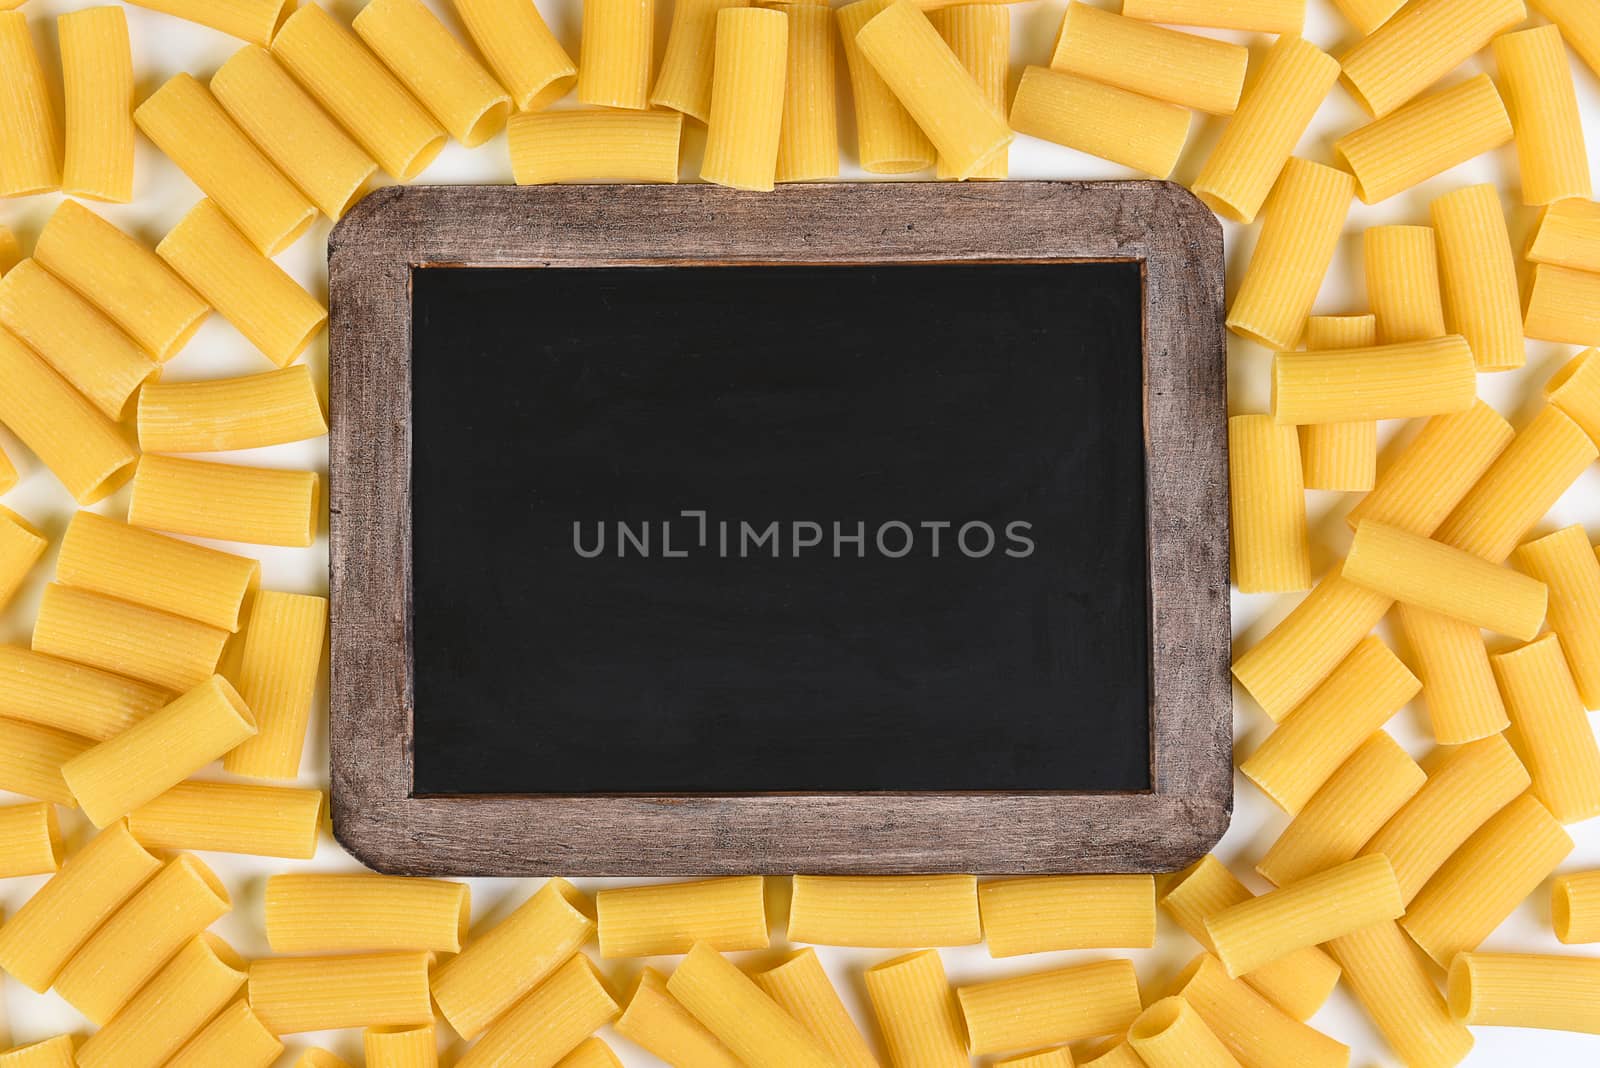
370	258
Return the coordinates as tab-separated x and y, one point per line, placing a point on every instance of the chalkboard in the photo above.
780	525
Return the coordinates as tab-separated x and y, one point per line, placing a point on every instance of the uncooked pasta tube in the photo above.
1339	456
1402	271
1565	562
596	145
261	505
1568	235
917	1012
656	1021
1457	683
1271	549
1544	109
524	55
1389	977
30	135
214	415
980	37
173	1006
31	758
1483	881
1102	120
1580	26
891	911
590	1053
448	80
1180	68
1255	1031
1399	381
808	144
1052	912
549	1023
1426	137
1561	306
1440	466
1170	1034
1575	907
1421	44
97	72
70	697
1304	216
165	650
1575	389
51	1053
642	921
30	840
1264	16
253	20
1526	990
400	1047
1478	276
617	42
746	117
1042	1008
801	988
277	677
888	140
684	81
21	546
1058	1057
333	913
225	817
294	994
1274	112
1367	15
743	1018
237	1038
1519	486
1553	736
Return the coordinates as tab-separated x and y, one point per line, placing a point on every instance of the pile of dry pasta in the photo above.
153	657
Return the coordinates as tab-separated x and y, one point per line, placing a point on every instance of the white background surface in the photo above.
164	46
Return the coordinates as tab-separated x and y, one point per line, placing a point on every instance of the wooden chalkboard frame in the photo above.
371	254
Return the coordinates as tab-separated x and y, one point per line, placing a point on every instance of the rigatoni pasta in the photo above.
917	1012
21	546
127	281
1544	110
165	650
887	910
330	913
1043	1008
260	505
1402	273
643	921
549	1023
746	117
808	142
31	758
51	1053
30	135
655	1021
1419	45
173	1006
1568	235
97	74
221	414
442	74
801	988
1561	305
1575	907
253	20
237	1037
1271	547
1388	976
1552	732
1102	120
1526	990
1426	137
1457	683
250	291
1575	389
225	817
1180	68
1400	381
400	1047
1340	456
1273	113
684	81
590	1053
888	140
277	677
294	994
525	56
753	1027
292	130
1367	15
1566	564
1051	912
1431	475
30	840
1254	1030
617	44
1477	275
71	697
1170	1034
1263	16
358	90
595	145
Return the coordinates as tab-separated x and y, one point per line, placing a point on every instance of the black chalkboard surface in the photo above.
779	527
849	528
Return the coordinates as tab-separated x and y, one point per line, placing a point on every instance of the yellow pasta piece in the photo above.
616	47
586	146
1580	26
888	140
1526	990
70	697
1254	1030
253	20
655	1021
801	988
97	70
753	1027
499	967
1304	216
112	558
331	913
409	1047
125	280
1422	43
173	1006
1544	108
231	413
1170	1034
1568	235
250	291
1117	1055
30	840
30	136
1052	912
549	1023
1457	683
189	126
319	1058
10	250
1305	749
442	74
229	502
1560	305
1180	68
168	651
1425	137
1047	1007
220	817
1432	475
1402	272
73	337
746	115
277	677
237	1038
1367	15
1102	120
917	1012
291	129
1345	898
1440	578
176	904
590	1053
56	921
294	994
1298	983
1388	976
21	546
1339	456
31	758
1399	381
1264	16
358	90
525	56
1059	1057
1284	667
1575	389
890	911
1519	486
1575	907
51	1053
1477	275
1355	802
684	81
1273	113
1566	564
121	773
808	141
1551	728
645	921
931	83
1484	880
